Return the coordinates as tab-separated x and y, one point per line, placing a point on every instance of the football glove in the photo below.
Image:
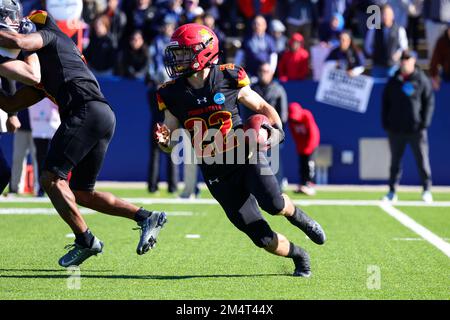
276	135
26	26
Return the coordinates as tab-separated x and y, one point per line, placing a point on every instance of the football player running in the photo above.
207	93
80	143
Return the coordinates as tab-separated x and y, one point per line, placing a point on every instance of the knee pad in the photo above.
260	233
273	205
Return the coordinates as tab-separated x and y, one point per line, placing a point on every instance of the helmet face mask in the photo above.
10	13
192	48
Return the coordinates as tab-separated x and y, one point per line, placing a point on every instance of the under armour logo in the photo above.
204	100
212	181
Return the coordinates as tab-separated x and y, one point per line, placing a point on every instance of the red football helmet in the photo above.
192	48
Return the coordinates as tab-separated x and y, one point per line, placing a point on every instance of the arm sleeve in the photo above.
283	105
47	36
385	108
161	104
427	103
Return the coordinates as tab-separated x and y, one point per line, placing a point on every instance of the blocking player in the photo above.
205	92
80	143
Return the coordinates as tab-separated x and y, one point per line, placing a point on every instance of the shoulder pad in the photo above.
38	17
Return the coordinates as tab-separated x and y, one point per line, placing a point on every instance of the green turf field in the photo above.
369	254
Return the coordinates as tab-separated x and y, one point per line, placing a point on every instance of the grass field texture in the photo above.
200	255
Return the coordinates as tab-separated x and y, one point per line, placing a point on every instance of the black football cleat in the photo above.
302	266
309	226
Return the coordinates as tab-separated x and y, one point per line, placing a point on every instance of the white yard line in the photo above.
404	219
408	222
51	211
312	202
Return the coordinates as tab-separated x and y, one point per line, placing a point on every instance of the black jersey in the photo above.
65	76
214	106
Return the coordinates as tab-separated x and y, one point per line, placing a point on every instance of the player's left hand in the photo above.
12	124
276	135
26	26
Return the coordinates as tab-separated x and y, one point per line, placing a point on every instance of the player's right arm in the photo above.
28	42
164	130
27	71
22	99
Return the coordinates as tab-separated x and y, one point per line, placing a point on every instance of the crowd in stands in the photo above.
275	40
127	37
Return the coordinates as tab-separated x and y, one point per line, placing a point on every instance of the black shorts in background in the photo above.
80	143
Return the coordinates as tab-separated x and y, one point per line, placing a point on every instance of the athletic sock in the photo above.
141	215
295	252
300	258
299	218
84	239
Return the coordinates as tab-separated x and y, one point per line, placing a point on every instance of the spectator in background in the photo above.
101	53
414	13
156	76
258	48
193	12
157	72
210	22
44	121
142	18
12	125
400	8
154	169
172	10
408	104
252	8
347	55
301	17
306	136
117	21
92	9
437	15
276	96
440	61
277	30
23	146
331	7
294	62
385	45
330	30
134	58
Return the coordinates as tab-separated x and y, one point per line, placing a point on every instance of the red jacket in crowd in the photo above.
304	129
247	7
294	62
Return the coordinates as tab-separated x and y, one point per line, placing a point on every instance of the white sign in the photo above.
319	54
44	119
65	9
3	118
338	89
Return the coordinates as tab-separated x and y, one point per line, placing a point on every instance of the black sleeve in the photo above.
427	103
4	59
47	36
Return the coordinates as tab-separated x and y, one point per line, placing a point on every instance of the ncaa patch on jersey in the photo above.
219	98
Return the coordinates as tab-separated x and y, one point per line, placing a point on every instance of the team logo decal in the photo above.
203	100
219	98
408	88
206	36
